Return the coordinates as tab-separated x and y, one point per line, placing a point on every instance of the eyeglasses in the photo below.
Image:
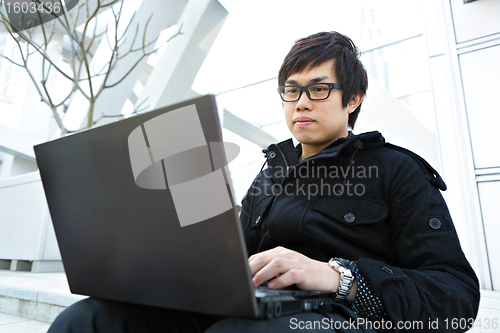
315	92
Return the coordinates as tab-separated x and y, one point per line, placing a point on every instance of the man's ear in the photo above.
354	103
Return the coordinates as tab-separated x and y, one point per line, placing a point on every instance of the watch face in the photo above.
337	265
340	263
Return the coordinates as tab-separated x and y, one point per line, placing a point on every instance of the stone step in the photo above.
15	324
36	296
488	317
35	266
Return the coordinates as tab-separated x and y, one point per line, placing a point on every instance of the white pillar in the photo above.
174	74
454	137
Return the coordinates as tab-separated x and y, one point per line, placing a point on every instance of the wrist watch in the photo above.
346	279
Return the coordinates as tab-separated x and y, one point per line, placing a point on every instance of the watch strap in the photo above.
346	279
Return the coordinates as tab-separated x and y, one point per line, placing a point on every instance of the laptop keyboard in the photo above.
275	303
264	291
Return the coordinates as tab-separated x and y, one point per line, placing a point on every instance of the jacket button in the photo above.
257	220
349	217
435	223
272	154
387	270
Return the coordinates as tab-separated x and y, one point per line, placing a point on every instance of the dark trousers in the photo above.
98	316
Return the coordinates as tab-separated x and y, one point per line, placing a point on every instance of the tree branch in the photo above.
39	49
80	60
67	97
145	54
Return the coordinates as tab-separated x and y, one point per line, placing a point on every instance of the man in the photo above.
340	212
381	215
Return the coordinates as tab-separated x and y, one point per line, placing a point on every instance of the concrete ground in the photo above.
15	324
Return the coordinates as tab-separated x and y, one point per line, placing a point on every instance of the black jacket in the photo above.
374	203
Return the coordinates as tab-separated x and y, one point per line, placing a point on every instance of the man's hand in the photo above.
284	267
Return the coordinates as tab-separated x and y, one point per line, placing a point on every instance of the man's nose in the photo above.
304	102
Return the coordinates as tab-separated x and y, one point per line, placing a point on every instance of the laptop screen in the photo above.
143	211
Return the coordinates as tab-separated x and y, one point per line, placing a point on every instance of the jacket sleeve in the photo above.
433	282
248	213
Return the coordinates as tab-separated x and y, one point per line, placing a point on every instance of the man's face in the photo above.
317	123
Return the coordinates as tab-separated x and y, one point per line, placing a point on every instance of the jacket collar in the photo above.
282	156
335	144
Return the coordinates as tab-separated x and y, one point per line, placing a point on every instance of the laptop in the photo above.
143	212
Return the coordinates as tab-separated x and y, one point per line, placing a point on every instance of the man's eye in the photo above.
318	88
291	90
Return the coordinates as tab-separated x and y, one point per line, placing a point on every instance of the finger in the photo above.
257	263
259	260
291	277
271	252
316	276
273	269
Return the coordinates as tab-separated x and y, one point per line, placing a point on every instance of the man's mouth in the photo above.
303	121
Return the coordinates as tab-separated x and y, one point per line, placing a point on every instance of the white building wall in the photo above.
464	48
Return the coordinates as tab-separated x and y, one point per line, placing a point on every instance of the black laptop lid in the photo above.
117	198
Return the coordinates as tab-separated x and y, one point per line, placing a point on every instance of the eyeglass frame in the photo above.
331	86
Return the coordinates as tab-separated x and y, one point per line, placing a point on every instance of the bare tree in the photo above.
82	37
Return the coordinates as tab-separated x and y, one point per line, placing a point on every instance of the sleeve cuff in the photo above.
366	303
